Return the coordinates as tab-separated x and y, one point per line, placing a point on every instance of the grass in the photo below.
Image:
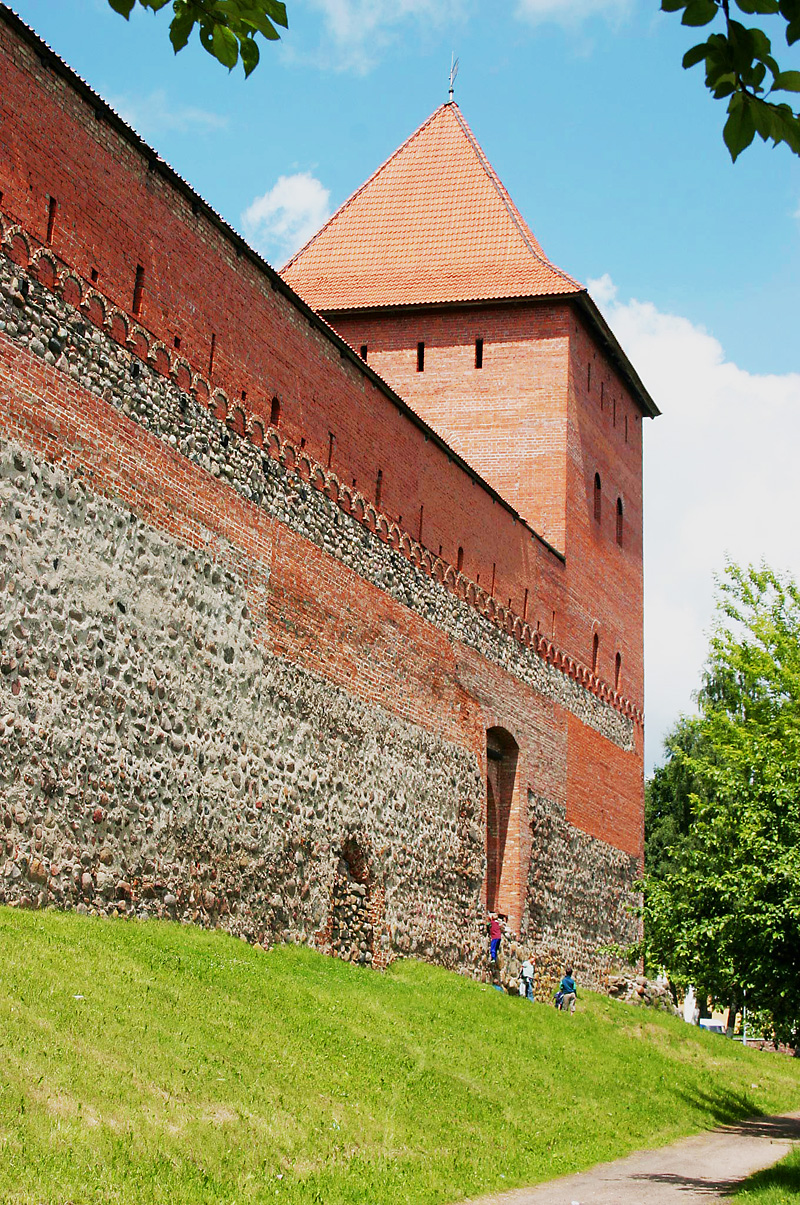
778	1185
149	1063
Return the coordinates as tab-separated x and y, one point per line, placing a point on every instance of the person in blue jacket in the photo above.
568	991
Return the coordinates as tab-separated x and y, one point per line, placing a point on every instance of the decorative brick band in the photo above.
57	277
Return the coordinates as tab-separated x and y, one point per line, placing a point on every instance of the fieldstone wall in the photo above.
157	761
579	900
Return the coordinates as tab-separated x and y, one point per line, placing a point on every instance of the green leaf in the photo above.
225	48
700	12
123	7
788	81
758	6
740	128
673	6
250	54
696	55
180	29
793	31
154	5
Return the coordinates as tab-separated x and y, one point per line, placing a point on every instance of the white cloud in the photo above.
572	12
721	480
286	216
357	31
156	114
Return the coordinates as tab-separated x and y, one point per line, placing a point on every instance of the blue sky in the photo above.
614	155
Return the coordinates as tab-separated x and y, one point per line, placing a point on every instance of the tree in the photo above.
723	911
668	811
739	64
228	28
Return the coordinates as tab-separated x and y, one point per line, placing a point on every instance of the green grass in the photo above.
778	1185
148	1063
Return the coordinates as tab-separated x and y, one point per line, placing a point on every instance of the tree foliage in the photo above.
740	64
228	28
722	910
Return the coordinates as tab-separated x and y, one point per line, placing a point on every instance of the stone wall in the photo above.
157	761
580	900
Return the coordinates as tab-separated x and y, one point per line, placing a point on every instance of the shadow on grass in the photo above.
783	1177
723	1106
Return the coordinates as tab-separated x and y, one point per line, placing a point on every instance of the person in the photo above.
526	975
568	991
495	937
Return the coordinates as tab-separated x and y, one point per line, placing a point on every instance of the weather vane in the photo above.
453	74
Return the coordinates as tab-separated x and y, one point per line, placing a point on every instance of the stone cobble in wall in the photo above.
156	760
289	486
579	899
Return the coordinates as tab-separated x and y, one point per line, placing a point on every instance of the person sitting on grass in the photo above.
568	991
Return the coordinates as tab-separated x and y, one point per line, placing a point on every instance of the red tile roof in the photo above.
433	224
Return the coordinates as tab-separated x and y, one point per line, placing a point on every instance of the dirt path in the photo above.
694	1171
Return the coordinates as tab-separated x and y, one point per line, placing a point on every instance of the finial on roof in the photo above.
453	74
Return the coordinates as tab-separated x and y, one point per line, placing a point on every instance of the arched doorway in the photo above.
502	843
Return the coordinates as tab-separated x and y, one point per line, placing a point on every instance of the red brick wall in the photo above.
114	213
531	423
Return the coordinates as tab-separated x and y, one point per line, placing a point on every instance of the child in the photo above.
568	991
495	937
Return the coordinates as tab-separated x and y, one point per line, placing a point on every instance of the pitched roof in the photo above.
433	224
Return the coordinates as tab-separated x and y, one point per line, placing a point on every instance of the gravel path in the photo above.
694	1171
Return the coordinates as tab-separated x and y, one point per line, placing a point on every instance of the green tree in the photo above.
723	910
740	65
668	810
228	28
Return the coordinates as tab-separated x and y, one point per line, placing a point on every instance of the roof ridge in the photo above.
521	225
345	204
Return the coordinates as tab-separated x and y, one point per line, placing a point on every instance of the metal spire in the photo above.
453	74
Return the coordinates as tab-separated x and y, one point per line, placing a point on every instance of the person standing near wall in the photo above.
495	937
526	975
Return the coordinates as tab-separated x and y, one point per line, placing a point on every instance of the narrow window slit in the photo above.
138	289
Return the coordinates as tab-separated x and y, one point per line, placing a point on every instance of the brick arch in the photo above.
503	872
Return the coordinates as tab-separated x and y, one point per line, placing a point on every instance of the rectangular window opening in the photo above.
52	206
494	573
626	428
211	353
614	413
363	351
330	448
419	532
378	488
479	353
138	289
525	606
420	357
176	341
95	275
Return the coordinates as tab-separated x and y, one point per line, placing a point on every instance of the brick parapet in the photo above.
142	348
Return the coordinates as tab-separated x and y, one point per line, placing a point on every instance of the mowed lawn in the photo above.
148	1063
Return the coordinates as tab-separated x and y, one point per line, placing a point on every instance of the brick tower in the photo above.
431	273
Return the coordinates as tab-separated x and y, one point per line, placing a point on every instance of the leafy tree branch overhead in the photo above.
738	59
228	28
739	64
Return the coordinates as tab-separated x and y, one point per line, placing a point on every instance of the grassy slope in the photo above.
196	1068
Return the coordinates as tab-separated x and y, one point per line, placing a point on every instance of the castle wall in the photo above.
232	688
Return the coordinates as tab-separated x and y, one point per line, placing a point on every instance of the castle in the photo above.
322	590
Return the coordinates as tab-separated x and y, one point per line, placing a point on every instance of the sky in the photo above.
613	154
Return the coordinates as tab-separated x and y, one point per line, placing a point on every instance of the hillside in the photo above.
149	1063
